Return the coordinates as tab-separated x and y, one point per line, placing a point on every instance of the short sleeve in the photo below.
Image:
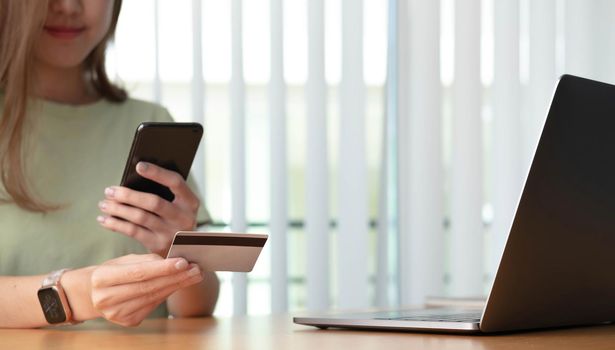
202	216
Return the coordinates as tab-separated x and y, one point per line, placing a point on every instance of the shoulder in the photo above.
142	110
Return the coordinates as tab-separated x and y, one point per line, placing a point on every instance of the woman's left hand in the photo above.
146	217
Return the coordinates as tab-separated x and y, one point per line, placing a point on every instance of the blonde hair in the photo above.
21	22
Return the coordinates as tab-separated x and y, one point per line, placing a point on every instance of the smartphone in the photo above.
168	145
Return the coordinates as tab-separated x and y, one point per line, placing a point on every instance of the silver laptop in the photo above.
558	266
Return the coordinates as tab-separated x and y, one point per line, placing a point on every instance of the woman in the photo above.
65	132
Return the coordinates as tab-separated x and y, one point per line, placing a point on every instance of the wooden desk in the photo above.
278	332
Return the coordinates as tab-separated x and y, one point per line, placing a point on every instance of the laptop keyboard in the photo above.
466	317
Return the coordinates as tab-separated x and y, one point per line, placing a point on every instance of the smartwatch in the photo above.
53	300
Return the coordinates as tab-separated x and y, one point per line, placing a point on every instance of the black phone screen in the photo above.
168	145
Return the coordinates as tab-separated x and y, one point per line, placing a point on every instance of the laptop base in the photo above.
426	320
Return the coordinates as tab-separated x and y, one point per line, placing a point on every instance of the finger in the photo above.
126	228
111	275
174	181
147	201
123	316
132	312
145	292
132	258
132	214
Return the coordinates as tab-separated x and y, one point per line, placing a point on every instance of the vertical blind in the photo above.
316	166
238	149
456	122
279	193
352	211
421	208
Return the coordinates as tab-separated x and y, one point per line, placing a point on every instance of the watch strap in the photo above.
53	278
53	281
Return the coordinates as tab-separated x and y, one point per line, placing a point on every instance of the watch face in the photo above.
52	305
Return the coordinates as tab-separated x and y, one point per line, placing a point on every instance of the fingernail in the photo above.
141	167
102	205
109	191
194	271
100	219
181	264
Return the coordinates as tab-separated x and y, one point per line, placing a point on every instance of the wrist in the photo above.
77	286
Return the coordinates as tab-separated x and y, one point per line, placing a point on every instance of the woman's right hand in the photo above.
127	289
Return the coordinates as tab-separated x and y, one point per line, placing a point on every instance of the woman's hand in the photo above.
146	217
123	290
127	289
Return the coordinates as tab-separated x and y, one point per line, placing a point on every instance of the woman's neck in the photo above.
63	85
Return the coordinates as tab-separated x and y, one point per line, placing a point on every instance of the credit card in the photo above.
213	251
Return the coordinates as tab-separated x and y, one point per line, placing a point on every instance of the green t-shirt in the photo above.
72	154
